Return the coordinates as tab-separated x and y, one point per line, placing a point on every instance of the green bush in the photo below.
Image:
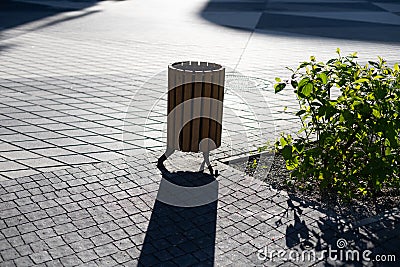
348	144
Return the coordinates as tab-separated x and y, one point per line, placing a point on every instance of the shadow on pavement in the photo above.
335	238
14	13
355	20
181	235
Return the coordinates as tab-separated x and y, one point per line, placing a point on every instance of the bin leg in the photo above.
206	160
160	162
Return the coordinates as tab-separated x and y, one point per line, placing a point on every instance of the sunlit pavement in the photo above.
69	71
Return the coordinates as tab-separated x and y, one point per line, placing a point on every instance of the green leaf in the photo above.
376	113
301	112
323	78
287	152
299	147
354	55
302	65
294	83
283	141
277	79
396	67
307	89
279	87
303	82
317	104
373	63
380	94
362	80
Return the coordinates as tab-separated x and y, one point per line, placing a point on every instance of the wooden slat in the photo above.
205	122
221	82
187	111
171	104
197	110
214	107
178	100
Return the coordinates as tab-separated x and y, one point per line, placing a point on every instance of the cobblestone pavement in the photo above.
79	86
67	78
101	215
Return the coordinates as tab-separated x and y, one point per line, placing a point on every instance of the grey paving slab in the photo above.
73	223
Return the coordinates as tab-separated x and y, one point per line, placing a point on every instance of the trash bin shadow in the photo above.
182	226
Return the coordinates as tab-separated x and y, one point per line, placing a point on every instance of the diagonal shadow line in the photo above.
61	20
276	18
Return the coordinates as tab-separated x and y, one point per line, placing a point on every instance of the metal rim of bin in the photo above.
200	67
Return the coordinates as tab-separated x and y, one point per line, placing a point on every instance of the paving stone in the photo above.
61	219
60	251
44	223
121	257
105	250
21	202
55	262
55	241
30	237
8	263
22	194
9	254
15	241
84	223
70	207
71	237
87	255
108	226
10	232
26	228
124	244
82	245
23	261
40	257
29	208
4	244
71	260
186	260
117	234
64	228
10	213
39	246
24	250
106	261
35	191
48	204
101	239
9	196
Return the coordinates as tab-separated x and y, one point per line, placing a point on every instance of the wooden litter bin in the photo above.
195	97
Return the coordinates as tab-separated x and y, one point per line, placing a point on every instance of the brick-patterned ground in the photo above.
65	92
67	79
101	215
